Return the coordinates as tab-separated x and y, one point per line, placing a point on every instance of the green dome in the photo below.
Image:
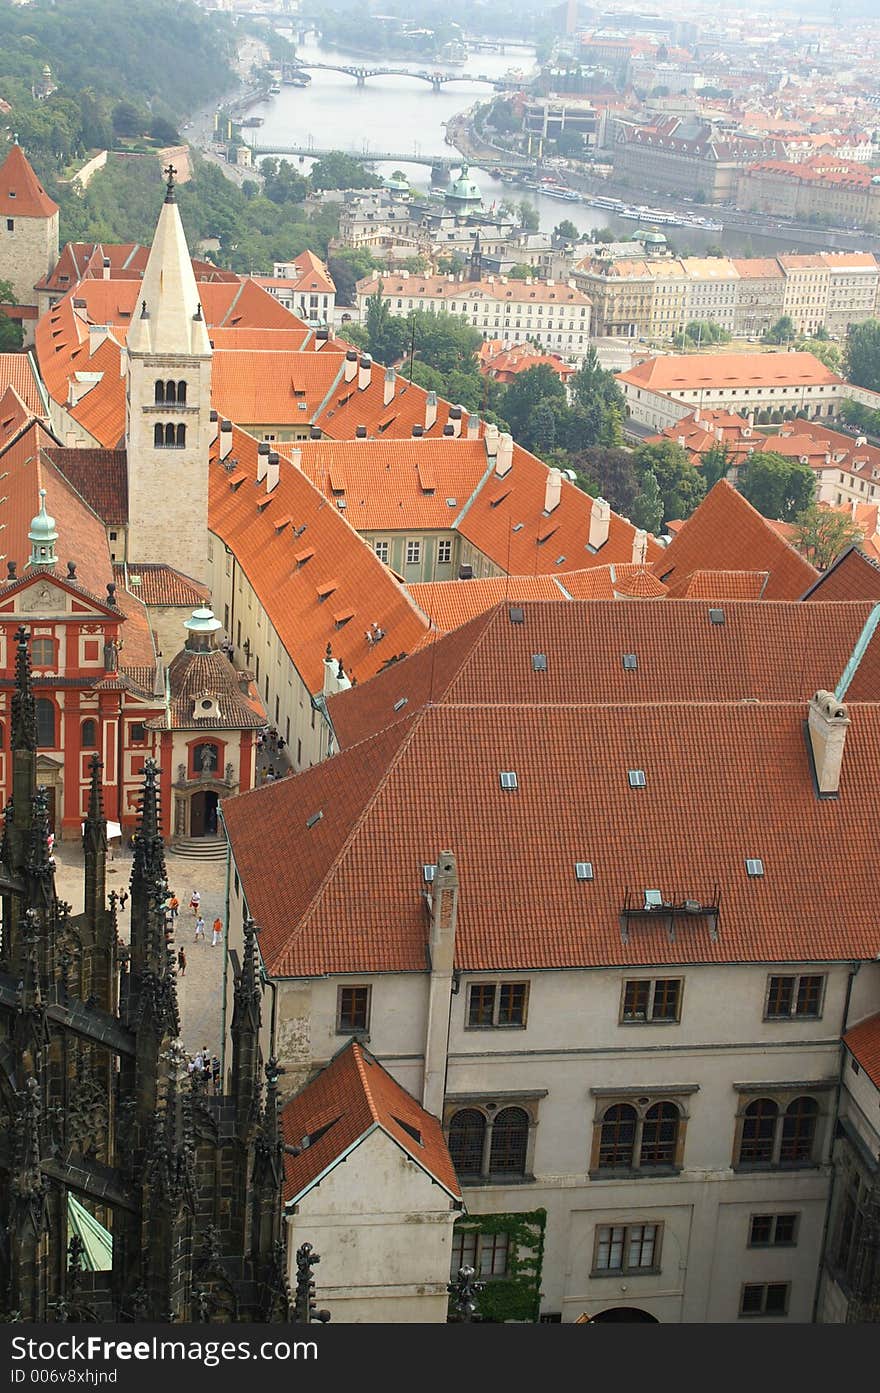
43	526
463	189
203	622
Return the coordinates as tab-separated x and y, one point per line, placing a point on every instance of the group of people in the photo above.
172	910
207	1068
271	743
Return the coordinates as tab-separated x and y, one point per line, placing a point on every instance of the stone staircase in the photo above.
199	848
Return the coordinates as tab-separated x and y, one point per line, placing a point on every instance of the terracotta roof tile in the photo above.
196	676
863	1043
156	584
724	585
17	370
353	901
21	192
677	372
14	416
450	603
288	587
727	533
853	576
350	1097
100	477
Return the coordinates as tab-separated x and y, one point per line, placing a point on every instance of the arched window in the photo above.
88	736
169	436
467	1131
170	393
618	1137
160	394
181	437
45	723
510	1139
659	1135
181	394
759	1132
799	1130
43	652
158	436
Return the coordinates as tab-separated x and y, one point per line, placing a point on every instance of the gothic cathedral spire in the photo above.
168	421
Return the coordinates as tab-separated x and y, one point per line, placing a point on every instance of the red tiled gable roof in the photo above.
195	675
348	406
14	416
351	1097
100	477
749	656
21	193
138	657
419	287
863	1043
433	783
853	576
283	388
290	568
727	533
392	485
17	370
639	584
677	372
724	585
450	603
549	545
157	584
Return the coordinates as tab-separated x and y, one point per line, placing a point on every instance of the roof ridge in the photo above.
360	1067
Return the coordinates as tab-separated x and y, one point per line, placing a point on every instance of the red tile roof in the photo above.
724	585
863	1043
271	388
353	901
852	577
21	193
450	603
683	372
350	1098
14	416
291	550
157	584
100	477
17	370
192	676
727	533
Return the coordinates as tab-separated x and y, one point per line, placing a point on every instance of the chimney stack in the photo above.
296	458
365	371
215	424
262	460
504	454
491	439
473	430
225	438
350	365
455	418
600	519
418	431
552	490
390	386
640	546
273	470
430	410
315	433
321	337
106	268
360	432
335	678
828	723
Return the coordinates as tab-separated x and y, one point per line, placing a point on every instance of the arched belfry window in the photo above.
158	436
181	437
170	393
169	436
160	394
181	394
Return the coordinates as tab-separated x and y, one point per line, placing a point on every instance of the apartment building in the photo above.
843	191
661	390
551	988
760	295
554	313
712	287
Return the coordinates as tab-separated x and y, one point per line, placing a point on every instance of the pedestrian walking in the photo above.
181	963
123	899
195	900
200	930
216	931
215	1073
173	906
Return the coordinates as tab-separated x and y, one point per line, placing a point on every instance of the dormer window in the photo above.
205	708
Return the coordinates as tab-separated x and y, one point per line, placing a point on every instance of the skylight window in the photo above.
583	870
539	662
508	779
315	817
653	899
516	614
716	616
637	778
399	705
630	662
754	866
429	871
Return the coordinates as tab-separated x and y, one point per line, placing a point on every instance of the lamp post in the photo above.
463	1291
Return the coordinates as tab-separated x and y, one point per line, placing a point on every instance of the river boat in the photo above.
275	89
601	200
253	121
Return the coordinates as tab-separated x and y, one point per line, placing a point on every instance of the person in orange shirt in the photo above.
216	931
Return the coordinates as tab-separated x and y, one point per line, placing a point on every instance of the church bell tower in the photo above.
168	406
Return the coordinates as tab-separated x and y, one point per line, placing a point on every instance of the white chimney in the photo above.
491	439
350	366
681	441
504	456
262	460
600	519
335	677
106	268
430	410
390	386
828	723
860	441
455	420
473	430
273	469
552	490
97	334
296	458
365	371
640	546
215	425
225	438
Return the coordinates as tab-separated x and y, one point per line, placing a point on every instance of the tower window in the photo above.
45	711
88	733
158	436
170	393
170	436
10	224
181	437
159	397
181	394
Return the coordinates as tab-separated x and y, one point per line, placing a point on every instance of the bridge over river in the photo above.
360	73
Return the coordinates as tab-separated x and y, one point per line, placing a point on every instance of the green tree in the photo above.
520	272
11	333
827	352
529	217
783	331
543	429
282	183
822	534
779	488
127	120
862	356
566	231
340	171
714	465
164	131
387	335
525	394
681	486
647	507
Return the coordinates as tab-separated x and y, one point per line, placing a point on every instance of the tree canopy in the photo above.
779	488
862	355
822	535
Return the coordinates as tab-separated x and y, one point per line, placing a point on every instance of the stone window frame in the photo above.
641	1099
624	1270
763	1313
482	1243
343	1029
490	1105
783	1095
796	978
650	1019
773	1241
495	1024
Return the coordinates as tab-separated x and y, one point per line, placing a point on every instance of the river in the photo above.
403	115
